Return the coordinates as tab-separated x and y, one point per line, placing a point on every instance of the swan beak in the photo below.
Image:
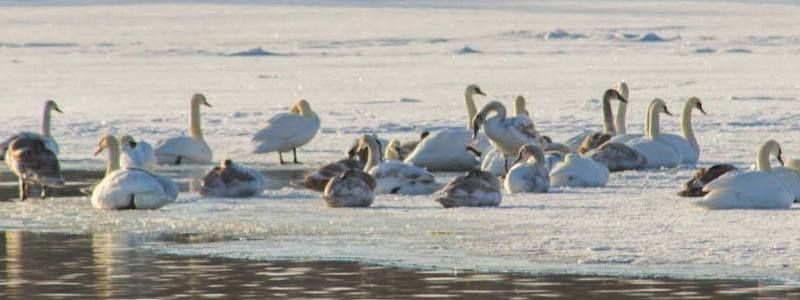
479	92
622	99
98	151
207	104
58	110
700	107
666	111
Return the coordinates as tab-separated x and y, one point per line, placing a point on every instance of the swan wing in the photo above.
746	189
133	188
167	151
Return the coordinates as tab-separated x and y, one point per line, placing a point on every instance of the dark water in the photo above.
111	266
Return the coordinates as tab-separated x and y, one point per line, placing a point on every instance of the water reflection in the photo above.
111	266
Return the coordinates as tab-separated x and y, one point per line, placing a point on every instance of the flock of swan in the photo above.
499	152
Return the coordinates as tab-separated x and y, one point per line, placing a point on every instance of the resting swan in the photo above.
288	131
657	152
576	171
446	150
529	173
491	160
130	188
320	178
395	177
694	187
750	188
186	149
686	145
507	135
476	188
230	179
396	150
137	154
35	165
575	142
353	188
44	135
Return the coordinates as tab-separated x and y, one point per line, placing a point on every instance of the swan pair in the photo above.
230	179
129	188
288	131
532	175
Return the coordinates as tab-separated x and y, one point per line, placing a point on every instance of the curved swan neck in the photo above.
471	109
519	107
622	109
495	107
608	125
653	129
46	120
537	155
112	146
762	158
373	154
686	124
195	131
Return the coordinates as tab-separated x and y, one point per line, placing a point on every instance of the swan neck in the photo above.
622	109
686	125
762	158
497	108
194	122
373	155
113	157
608	125
652	123
46	121
471	109
519	109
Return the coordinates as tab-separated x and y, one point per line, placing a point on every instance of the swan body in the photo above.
137	154
578	171
758	189
657	152
35	165
44	135
694	187
191	149
686	144
130	188
395	177
507	135
475	189
353	188
319	178
230	179
288	131
491	160
530	174
617	157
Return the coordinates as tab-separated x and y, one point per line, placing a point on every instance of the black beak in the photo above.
475	129
621	99
666	111
58	110
479	92
700	107
207	104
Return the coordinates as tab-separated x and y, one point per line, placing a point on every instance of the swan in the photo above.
44	135
476	188
751	188
608	123
657	152
230	179
137	154
319	178
507	135
35	165
353	188
288	131
446	150
395	150
686	145
617	157
395	177
186	149
491	160
577	171
130	188
694	187
529	173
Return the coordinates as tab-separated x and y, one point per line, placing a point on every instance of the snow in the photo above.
116	68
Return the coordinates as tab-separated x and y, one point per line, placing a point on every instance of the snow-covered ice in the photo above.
117	68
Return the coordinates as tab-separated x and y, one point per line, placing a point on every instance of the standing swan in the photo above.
446	150
44	135
476	188
529	174
507	135
137	154
657	153
34	164
395	177
232	180
353	188
186	149
130	188
686	145
288	131
749	189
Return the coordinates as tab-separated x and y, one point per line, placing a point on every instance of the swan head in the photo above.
392	150
474	89
52	105
622	88
301	107
106	142
528	151
226	163
366	140
613	94
200	99
661	107
127	139
694	101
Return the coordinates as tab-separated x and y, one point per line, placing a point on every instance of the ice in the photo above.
392	68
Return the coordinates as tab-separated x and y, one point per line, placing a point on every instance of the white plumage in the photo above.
394	177
576	171
186	149
529	174
137	154
288	131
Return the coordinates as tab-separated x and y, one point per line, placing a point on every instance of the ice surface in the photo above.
132	68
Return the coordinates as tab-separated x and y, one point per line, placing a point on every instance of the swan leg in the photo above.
280	157
294	151
44	192
22	190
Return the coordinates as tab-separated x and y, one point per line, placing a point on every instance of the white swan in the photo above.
576	141
446	150
395	177
230	179
491	160
622	108
529	174
686	145
507	135
130	188
35	165
353	188
137	154
576	171
477	188
186	149
657	153
44	135
288	131
751	188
